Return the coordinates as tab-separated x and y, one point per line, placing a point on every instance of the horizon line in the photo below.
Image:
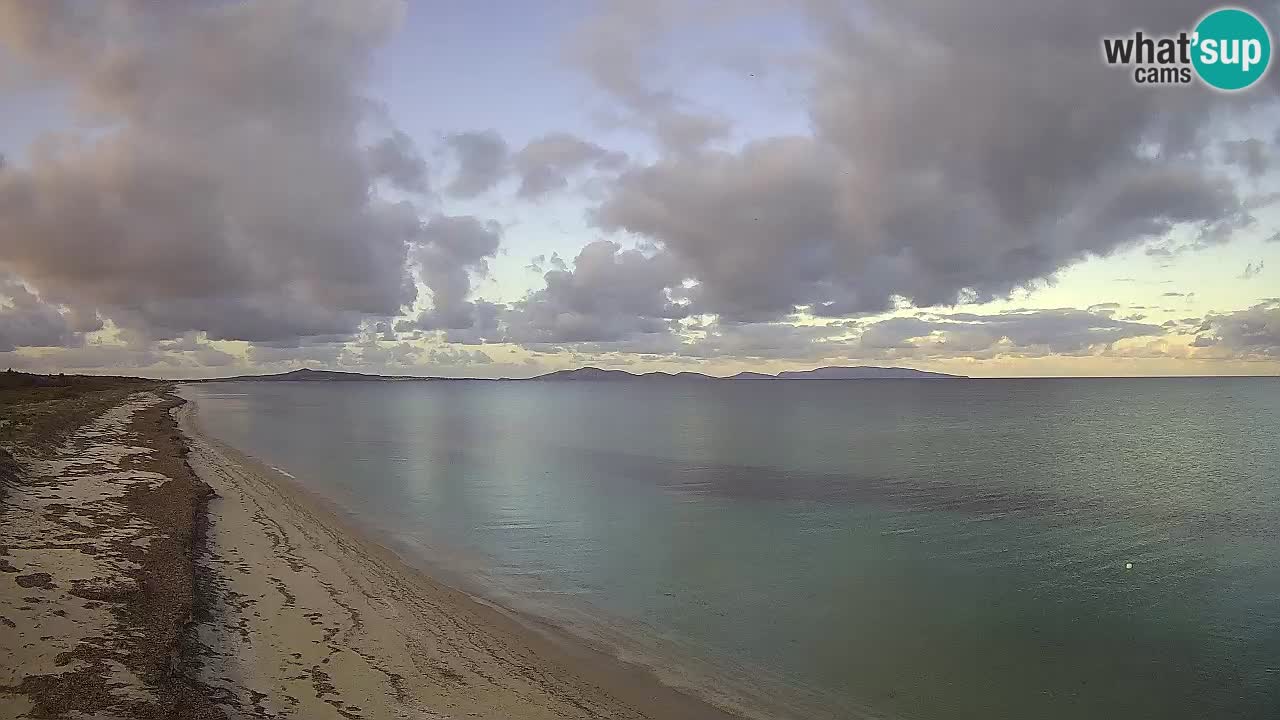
425	378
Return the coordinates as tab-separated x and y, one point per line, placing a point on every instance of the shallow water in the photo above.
903	549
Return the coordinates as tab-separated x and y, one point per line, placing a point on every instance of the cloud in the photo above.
1065	331
717	341
219	185
453	248
978	165
769	341
1016	333
545	163
610	46
1253	333
192	348
380	356
455	357
621	47
396	158
778	226
1252	155
308	355
1204	341
91	356
686	132
482	162
745	225
610	294
26	321
219	181
484	326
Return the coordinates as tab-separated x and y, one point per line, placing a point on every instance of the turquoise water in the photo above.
898	549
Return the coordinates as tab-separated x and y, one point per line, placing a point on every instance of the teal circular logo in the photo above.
1232	49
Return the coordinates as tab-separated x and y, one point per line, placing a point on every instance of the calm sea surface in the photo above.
897	549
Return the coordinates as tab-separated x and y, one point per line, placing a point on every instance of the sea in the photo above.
1030	548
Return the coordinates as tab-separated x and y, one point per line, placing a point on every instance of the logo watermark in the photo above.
1229	49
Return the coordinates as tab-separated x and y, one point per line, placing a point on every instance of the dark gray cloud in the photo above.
751	227
1253	333
485	318
384	331
545	164
895	333
451	250
1253	155
1064	331
980	163
198	352
396	159
482	162
26	321
221	186
610	294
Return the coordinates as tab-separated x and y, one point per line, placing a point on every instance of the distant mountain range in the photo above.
824	373
309	375
593	373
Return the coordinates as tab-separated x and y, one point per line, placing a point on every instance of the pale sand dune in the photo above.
309	620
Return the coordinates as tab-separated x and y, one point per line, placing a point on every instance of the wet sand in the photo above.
155	573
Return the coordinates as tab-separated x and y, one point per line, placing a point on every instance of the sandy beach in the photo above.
155	572
98	527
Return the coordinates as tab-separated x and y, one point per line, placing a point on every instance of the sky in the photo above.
501	189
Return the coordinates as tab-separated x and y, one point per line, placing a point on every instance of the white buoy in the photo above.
1128	566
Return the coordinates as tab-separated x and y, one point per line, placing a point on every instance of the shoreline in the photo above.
755	694
498	663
